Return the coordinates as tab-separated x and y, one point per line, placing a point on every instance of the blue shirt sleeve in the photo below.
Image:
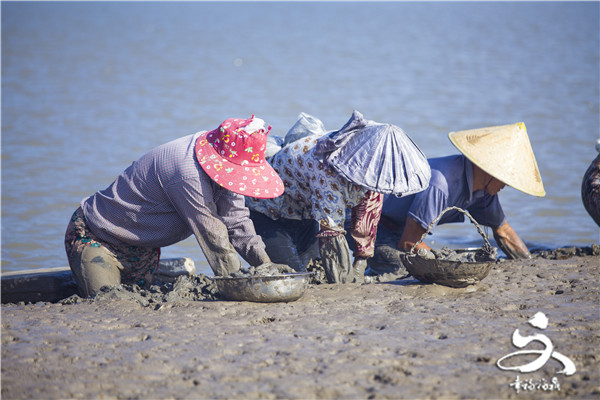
427	205
488	211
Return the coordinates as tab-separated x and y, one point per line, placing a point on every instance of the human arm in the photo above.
413	231
426	206
242	235
488	211
235	215
335	255
363	225
197	202
363	229
334	249
510	243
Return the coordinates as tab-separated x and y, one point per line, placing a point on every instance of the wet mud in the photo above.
184	288
385	340
563	253
203	288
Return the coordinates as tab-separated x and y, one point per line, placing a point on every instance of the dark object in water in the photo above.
590	188
454	269
263	289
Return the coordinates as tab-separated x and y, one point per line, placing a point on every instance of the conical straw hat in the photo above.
503	152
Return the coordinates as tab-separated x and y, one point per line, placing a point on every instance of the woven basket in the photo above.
455	274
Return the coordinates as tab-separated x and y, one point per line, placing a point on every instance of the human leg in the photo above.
279	243
93	264
96	264
94	268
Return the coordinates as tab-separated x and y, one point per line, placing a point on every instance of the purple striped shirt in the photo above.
164	197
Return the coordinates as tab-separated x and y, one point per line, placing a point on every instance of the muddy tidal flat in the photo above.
383	340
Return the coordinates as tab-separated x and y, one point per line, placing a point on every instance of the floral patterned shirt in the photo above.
313	190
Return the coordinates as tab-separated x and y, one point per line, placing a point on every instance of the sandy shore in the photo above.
399	339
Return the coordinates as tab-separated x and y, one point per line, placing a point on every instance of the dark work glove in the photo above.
270	268
336	258
357	273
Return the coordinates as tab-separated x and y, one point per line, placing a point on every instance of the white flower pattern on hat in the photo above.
234	133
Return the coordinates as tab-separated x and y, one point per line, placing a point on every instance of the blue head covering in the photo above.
380	157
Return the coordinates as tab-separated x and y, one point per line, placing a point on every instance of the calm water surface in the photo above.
87	88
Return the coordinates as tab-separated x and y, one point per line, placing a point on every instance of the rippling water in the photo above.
89	87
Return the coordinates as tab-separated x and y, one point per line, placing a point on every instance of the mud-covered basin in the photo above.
264	289
455	274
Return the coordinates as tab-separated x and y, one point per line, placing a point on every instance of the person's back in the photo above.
140	207
492	158
192	185
451	185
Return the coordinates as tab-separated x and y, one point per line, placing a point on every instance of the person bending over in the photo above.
194	185
491	159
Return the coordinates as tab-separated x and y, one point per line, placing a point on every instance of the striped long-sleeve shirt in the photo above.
164	197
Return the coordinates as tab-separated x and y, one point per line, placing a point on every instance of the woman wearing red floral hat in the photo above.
192	185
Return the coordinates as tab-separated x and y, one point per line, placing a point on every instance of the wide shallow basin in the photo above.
264	289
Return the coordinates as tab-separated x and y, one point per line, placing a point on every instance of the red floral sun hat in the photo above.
233	155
